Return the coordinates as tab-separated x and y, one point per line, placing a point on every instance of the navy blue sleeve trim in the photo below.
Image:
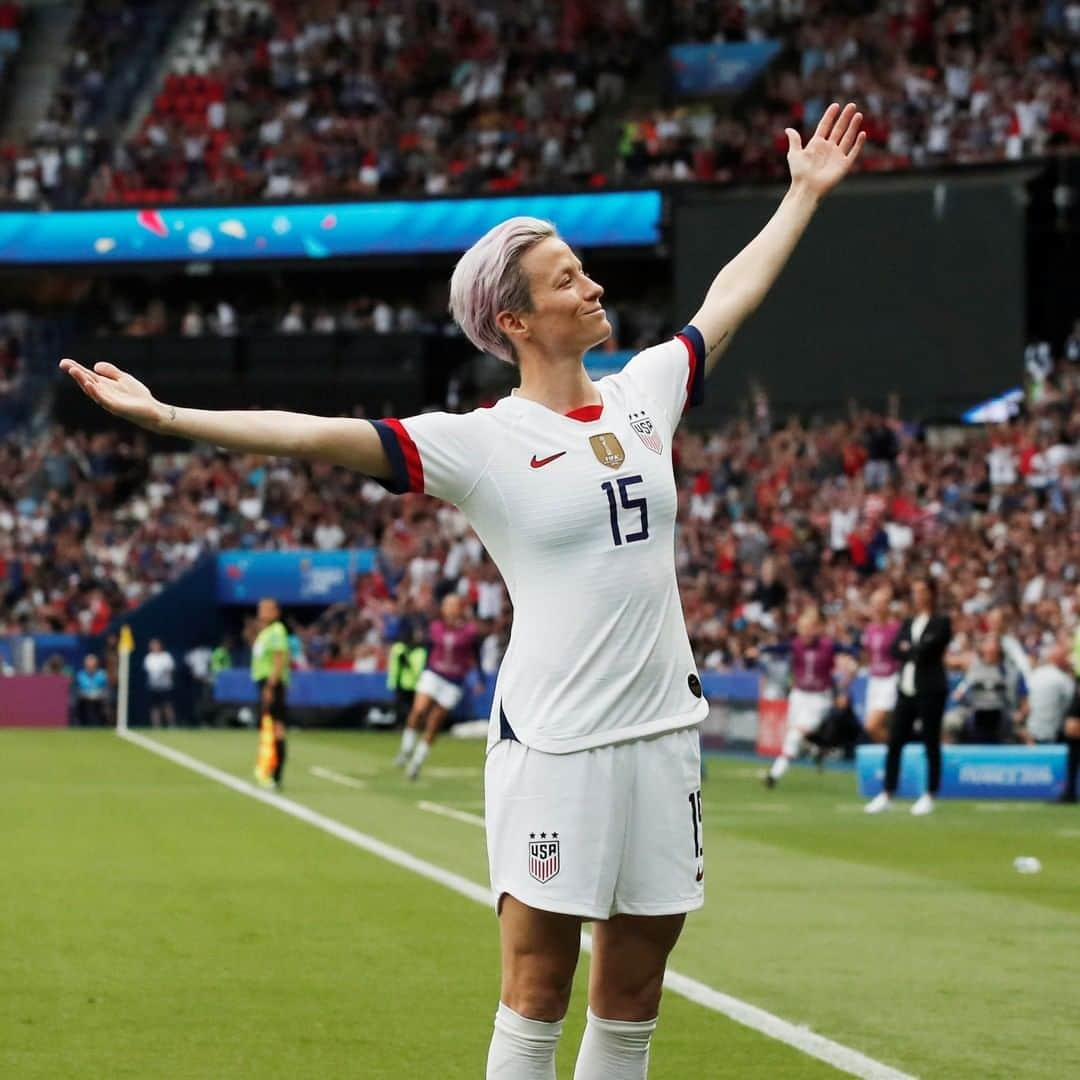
505	730
695	390
398	482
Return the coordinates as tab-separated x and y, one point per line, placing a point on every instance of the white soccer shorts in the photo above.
881	693
612	830
807	710
442	691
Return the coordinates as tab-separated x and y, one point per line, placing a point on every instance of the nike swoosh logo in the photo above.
539	463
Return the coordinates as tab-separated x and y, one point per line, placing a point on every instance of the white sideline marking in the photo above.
800	1038
336	777
450	812
1068	832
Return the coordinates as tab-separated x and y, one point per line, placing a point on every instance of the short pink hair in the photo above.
488	279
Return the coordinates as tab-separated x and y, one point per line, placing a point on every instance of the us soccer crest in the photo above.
608	449
543	856
646	431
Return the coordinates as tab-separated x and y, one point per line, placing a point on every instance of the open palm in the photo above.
122	394
830	153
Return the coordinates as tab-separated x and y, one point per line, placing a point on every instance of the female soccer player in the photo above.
878	638
440	687
593	802
813	662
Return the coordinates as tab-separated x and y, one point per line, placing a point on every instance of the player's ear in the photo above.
512	325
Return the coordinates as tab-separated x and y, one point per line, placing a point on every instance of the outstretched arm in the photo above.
352	443
742	284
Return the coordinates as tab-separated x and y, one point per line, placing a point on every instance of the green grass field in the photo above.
156	924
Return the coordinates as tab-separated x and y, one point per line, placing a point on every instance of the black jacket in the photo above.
928	653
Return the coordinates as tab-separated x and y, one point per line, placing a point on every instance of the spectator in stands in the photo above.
193	324
1050	690
91	689
160	669
989	688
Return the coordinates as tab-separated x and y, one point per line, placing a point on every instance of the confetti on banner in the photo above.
104	244
314	249
329	222
234	228
152	222
200	241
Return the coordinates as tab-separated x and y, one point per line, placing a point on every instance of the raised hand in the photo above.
827	157
122	394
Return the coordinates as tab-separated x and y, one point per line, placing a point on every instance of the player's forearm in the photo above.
744	282
339	440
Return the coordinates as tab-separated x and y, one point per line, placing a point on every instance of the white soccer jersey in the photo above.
579	516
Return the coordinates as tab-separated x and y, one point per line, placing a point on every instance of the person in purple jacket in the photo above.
442	683
813	660
877	642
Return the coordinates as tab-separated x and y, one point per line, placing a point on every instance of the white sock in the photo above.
522	1049
408	741
419	755
614	1049
779	767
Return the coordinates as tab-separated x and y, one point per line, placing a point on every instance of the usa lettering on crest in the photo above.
543	857
646	432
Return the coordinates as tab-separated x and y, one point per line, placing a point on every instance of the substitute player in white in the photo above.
592	776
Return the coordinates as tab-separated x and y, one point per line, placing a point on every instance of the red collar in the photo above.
587	413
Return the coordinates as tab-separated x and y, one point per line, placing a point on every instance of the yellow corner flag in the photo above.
126	643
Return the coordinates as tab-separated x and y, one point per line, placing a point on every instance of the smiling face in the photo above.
566	317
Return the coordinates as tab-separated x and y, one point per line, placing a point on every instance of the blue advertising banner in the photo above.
700	69
970	772
316	231
290	577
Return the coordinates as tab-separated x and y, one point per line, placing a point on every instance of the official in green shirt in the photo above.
408	656
270	672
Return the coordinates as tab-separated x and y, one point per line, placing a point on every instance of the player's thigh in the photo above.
555	826
662	863
630	954
433	719
807	711
881	694
539	956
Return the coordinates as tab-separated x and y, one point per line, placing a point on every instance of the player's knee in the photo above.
635	1000
538	993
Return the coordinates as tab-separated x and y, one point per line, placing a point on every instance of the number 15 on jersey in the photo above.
624	500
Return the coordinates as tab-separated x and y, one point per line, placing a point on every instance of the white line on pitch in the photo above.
336	777
1068	832
450	812
800	1038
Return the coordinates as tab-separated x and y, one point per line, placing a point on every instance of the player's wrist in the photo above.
802	191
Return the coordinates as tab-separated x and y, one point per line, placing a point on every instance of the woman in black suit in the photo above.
920	647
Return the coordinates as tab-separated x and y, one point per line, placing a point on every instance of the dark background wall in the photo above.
911	285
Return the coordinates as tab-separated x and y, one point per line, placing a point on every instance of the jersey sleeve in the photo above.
440	454
672	374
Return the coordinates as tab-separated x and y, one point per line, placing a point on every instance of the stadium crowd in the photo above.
268	99
938	84
773	516
286	100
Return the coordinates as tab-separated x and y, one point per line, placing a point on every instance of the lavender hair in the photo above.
488	279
